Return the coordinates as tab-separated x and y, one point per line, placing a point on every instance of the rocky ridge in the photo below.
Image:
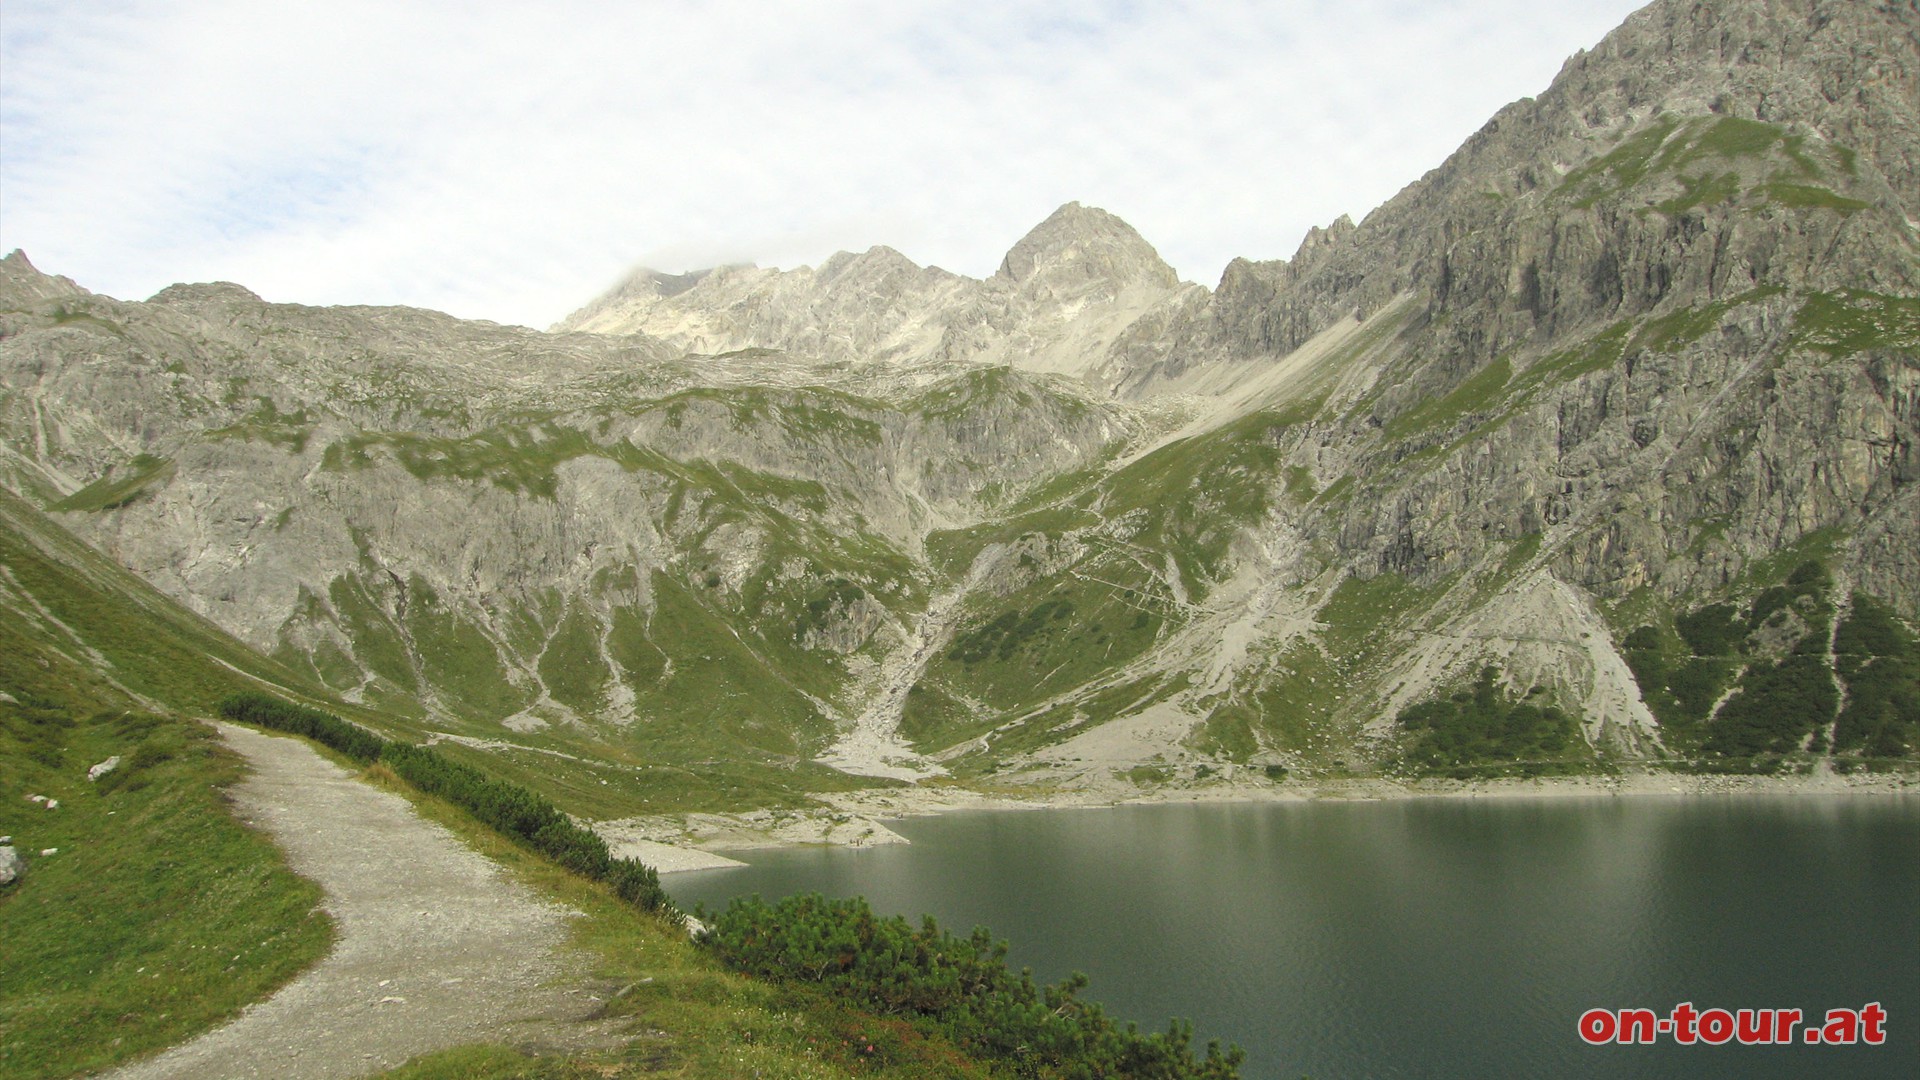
1063	292
1638	359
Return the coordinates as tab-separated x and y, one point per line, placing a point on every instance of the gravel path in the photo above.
437	946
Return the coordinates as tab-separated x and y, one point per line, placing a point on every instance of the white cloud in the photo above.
509	161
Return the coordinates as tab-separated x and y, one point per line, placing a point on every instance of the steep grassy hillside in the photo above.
146	912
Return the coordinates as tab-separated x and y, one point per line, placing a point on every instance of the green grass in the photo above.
1363	612
1622	167
160	915
1478	393
289	431
1716	161
1809	197
456	656
1669	333
84	606
379	643
66	316
519	459
1854	320
1199	493
964	393
572	667
1053	637
1697	191
1732	136
121	485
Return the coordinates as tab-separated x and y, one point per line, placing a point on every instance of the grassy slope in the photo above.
160	915
1144	536
716	673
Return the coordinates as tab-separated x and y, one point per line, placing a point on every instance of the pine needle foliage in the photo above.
958	987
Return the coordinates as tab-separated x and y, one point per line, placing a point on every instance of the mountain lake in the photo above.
1428	937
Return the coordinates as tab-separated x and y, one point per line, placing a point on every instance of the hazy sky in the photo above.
512	160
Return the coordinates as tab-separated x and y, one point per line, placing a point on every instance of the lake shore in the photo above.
675	843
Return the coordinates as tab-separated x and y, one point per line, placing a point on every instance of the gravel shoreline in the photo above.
681	842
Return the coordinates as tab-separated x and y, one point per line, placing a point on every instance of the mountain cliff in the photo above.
1595	444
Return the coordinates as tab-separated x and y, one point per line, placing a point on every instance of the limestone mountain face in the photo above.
1061	296
494	530
1675	163
1597	441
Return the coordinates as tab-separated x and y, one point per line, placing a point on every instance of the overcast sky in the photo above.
512	160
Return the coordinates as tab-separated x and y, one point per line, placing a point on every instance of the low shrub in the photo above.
959	987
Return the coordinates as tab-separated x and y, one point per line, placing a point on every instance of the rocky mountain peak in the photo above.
205	292
1319	241
21	282
875	266
1085	244
660	284
641	289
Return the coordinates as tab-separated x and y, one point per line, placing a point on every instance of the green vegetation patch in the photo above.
1775	708
159	916
964	393
1750	684
1199	493
1481	392
572	667
1808	197
1709	190
379	643
519	459
1853	321
1008	633
289	431
723	695
1670	332
1059	634
458	658
1730	136
1479	732
1716	161
1622	167
121	486
958	988
1362	612
1879	657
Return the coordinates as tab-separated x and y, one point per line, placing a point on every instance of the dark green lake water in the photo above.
1429	938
